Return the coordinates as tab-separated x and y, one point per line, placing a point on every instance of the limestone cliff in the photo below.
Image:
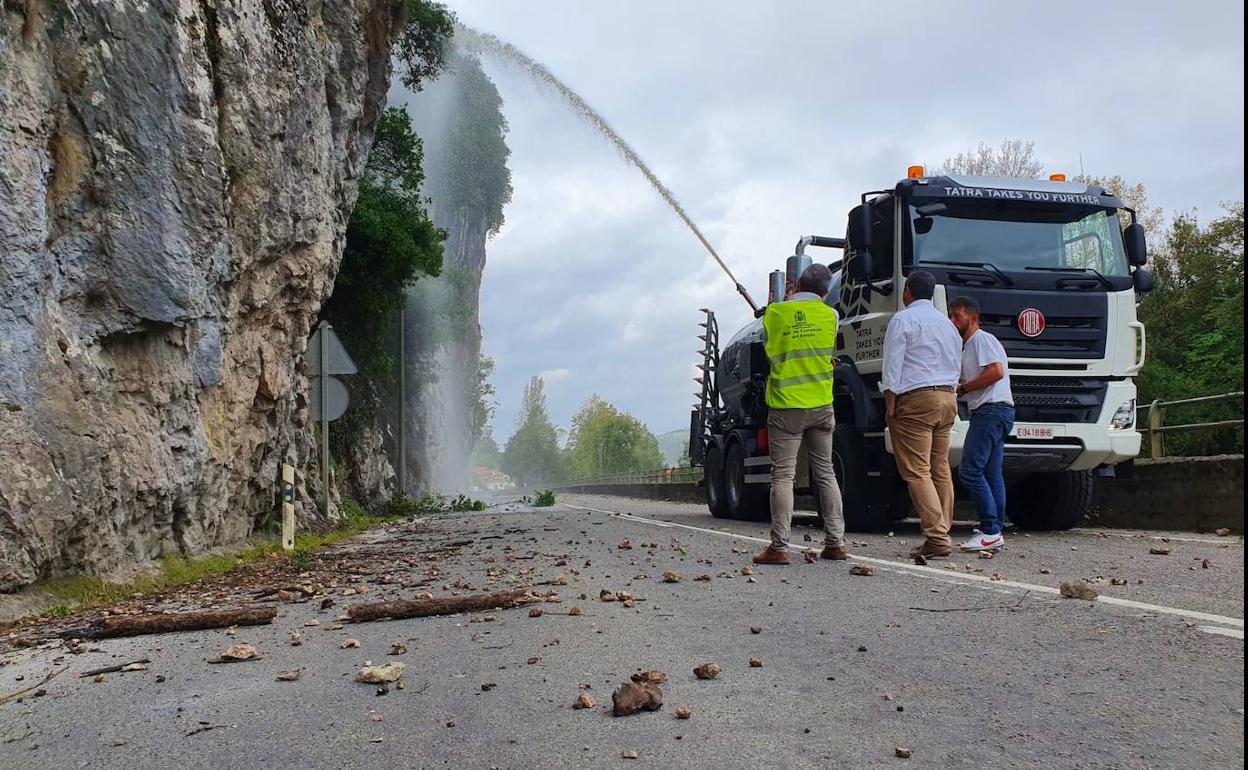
175	181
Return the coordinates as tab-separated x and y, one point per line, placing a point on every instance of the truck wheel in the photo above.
749	502
1050	500
863	513
713	480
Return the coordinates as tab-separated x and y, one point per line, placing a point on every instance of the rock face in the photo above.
175	181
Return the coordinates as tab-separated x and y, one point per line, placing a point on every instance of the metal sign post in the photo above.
327	356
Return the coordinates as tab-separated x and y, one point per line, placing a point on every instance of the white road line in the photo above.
932	572
1090	532
1234	633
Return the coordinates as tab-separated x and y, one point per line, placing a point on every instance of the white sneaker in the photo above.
981	542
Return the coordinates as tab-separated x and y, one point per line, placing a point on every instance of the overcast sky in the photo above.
768	119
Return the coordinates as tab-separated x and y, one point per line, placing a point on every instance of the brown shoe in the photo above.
771	556
834	552
929	551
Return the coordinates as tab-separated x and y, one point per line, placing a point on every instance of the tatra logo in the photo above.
799	317
1031	322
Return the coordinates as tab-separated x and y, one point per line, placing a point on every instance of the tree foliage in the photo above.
606	441
421	46
1195	323
532	453
1014	158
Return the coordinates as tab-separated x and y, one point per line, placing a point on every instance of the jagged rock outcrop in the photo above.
175	181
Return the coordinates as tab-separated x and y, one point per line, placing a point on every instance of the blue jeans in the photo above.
982	454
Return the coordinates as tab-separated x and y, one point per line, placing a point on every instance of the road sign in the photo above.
337	361
334	400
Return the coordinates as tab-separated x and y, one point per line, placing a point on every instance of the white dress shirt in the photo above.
981	350
922	348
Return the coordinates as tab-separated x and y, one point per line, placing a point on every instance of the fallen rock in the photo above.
865	570
1159	551
682	711
671	577
398	648
702	579
706	671
651	677
1222	532
575	611
756	662
632	697
1078	591
383	674
628	604
747	570
289	676
295	639
624	545
348	644
535	612
607	596
756	629
624	596
1117	581
583	701
240	651
810	557
1205	564
986	554
629	754
902	752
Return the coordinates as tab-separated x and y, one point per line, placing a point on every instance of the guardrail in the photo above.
1157	429
658	476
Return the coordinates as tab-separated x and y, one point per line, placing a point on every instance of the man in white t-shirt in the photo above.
985	388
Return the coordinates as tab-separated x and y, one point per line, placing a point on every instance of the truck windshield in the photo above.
1014	237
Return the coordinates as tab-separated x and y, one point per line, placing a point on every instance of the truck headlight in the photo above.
1124	417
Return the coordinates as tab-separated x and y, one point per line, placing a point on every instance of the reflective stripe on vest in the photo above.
801	339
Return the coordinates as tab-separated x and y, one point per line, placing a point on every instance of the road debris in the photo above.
630	754
756	629
1205	564
919	559
583	701
902	752
34	687
1078	591
606	596
383	674
575	611
397	647
671	576
295	639
624	545
706	671
632	697
348	644
756	662
134	665
117	626
535	612
1222	532
289	676
810	556
1117	581
649	677
986	554
682	711
399	609
865	570
1159	551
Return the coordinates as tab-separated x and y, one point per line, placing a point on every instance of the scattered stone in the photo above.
383	674
583	701
1117	581
98	678
682	711
535	612
671	577
624	545
1159	551
349	644
231	631
629	754
534	660
1205	564
607	596
624	596
134	667
1046	571
862	648
747	570
1222	532
706	671
289	676
632	697
120	742
295	639
902	752
628	603
312	622
756	662
240	651
756	629
810	557
575	611
398	648
702	579
1078	591
327	602
986	554
651	677
865	570
334	627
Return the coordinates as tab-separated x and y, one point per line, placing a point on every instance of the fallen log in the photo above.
139	625
447	605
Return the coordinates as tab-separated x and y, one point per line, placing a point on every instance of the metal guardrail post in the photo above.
1154	435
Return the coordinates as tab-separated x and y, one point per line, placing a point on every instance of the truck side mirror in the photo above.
1137	248
858	233
1143	280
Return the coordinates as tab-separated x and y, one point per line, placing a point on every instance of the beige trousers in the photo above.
920	431
786	430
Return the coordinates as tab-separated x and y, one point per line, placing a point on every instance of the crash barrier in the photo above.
1193	494
1157	429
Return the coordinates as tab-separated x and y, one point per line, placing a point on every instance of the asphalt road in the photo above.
962	669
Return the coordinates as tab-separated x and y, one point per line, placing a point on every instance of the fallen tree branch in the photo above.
138	625
33	687
447	605
113	669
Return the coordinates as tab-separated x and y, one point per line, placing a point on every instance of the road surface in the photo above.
966	663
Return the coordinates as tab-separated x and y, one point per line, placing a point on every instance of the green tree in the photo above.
486	453
421	46
532	453
1195	323
606	441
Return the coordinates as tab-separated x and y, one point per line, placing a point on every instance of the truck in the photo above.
1057	268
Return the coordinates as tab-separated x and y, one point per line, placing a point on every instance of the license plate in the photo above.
1033	431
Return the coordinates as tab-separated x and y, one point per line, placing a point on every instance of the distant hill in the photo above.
673	445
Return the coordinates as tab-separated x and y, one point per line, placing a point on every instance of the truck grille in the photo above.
1074	336
1057	399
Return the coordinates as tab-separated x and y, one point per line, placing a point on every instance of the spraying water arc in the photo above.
488	44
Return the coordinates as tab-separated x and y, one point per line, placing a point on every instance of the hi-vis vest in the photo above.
801	338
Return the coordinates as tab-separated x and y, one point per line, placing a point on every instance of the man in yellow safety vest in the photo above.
801	338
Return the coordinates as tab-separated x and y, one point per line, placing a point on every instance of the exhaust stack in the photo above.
775	286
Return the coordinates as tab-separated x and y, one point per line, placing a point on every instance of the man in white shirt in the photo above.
922	359
985	388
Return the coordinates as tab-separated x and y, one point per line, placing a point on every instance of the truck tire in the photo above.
713	480
863	513
748	502
1050	500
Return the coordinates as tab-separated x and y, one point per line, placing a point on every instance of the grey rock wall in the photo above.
175	181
